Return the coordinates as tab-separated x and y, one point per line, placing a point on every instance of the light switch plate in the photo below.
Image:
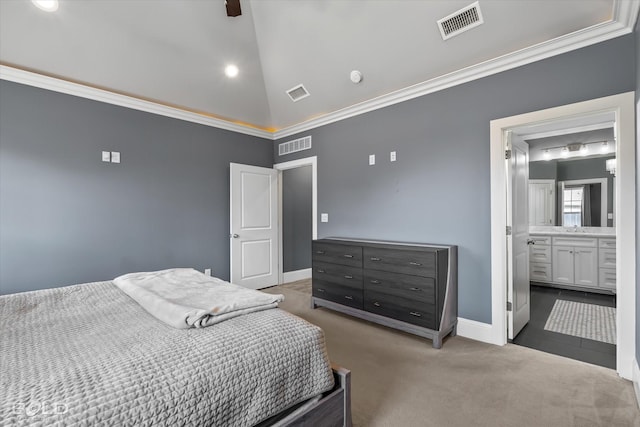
115	157
106	156
609	215
207	271
324	217
372	159
392	156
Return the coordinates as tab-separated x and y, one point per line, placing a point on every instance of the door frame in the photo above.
293	164
623	107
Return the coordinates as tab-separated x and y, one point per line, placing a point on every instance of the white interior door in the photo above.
542	196
254	226
517	242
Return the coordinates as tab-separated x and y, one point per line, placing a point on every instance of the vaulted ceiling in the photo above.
174	52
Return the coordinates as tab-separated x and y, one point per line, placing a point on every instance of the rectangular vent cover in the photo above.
297	93
460	21
294	146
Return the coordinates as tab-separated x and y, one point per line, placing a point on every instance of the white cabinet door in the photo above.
563	264
586	266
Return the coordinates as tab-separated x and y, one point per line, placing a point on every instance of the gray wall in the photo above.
66	217
296	218
543	170
439	189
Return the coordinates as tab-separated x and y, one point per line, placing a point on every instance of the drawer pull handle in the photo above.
375	282
348	297
414	289
415	263
346	276
415	313
320	271
377	304
320	290
373	258
347	256
320	252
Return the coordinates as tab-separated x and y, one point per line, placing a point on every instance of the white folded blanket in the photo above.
185	298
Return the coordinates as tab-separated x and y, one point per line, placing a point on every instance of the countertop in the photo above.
608	232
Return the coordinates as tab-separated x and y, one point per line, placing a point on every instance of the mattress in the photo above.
89	355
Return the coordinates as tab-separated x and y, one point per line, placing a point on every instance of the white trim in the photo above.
294	276
313	161
623	107
623	22
636	381
576	40
475	330
58	85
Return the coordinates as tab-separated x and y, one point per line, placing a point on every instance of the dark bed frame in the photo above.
332	410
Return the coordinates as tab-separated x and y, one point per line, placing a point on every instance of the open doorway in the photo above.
297	198
622	107
571	241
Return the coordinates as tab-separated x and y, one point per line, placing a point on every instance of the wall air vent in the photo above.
460	21
295	145
297	93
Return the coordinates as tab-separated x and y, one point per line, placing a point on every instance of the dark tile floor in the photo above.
534	336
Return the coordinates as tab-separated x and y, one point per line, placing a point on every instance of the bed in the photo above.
90	355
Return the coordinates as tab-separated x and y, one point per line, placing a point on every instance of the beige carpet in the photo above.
400	380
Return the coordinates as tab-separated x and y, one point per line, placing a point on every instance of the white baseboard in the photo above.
292	276
636	380
476	330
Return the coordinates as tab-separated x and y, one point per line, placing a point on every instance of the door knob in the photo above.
235	236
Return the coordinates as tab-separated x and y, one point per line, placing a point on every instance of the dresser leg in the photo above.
437	342
313	304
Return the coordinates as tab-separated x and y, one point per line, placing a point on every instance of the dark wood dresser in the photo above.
407	286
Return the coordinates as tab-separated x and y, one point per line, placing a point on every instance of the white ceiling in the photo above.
174	51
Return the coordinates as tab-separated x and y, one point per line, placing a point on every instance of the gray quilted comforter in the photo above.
89	355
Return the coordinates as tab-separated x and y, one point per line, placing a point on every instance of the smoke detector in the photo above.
355	76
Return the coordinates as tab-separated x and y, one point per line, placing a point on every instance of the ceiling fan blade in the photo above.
233	7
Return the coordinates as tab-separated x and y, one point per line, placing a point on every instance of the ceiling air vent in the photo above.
460	21
295	145
297	93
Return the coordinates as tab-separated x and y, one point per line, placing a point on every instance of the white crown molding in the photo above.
625	11
58	85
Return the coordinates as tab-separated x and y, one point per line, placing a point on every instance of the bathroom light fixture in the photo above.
546	154
610	166
604	148
564	152
231	71
46	5
584	149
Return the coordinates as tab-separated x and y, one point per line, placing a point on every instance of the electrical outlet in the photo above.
372	159
392	156
324	217
207	271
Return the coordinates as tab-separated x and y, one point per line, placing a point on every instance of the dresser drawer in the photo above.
339	274
607	279
607	258
540	271
539	253
337	253
398	308
417	263
402	285
337	293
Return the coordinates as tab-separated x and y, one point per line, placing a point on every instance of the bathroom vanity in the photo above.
576	258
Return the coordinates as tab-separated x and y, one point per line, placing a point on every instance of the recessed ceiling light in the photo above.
231	70
46	5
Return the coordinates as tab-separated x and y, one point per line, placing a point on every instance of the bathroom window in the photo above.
572	206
